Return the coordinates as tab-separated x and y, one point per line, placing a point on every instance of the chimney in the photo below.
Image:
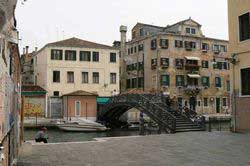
23	51
36	49
27	49
123	31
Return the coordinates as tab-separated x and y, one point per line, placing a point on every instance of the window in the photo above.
85	77
164	43
193	31
223	48
135	49
224	102
140	65
134	82
180	80
112	78
112	57
56	76
165	80
70	55
205	47
165	62
217	82
56	93
244	27
132	50
179	63
153	63
141	32
140	48
228	86
85	55
190	45
134	66
129	67
205	102
128	81
56	54
216	48
128	51
95	77
188	30
77	108
178	44
205	81
205	64
140	82
153	44
70	77
245	81
95	57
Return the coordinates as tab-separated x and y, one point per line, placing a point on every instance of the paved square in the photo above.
189	149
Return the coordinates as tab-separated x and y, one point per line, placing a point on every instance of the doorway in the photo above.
217	105
192	103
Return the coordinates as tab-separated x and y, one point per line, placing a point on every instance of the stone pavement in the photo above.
182	149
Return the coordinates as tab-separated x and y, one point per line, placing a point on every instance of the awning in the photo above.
102	100
192	58
194	75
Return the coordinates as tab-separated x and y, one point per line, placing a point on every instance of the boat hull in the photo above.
68	127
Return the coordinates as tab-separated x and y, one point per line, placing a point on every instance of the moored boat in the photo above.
81	126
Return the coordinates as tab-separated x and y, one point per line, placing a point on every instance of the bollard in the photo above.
209	124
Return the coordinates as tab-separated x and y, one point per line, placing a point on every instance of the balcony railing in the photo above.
192	89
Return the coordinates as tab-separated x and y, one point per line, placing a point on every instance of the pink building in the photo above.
79	105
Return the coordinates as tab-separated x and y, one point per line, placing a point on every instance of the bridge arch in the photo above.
145	103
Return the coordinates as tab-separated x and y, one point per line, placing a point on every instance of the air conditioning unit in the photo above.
204	51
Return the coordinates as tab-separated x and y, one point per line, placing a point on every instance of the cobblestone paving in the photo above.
182	149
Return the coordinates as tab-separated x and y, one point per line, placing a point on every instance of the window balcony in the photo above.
192	90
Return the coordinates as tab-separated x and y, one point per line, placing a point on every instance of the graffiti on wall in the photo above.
34	107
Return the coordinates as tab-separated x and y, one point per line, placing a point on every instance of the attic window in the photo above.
142	32
191	31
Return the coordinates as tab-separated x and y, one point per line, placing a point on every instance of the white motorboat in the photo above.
81	126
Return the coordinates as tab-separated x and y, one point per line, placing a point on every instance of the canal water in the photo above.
56	135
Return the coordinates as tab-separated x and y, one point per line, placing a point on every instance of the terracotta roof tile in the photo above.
75	42
32	88
80	93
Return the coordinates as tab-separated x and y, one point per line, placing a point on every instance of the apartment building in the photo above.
27	66
76	67
239	48
179	61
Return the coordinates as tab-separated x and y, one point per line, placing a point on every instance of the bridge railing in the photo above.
151	104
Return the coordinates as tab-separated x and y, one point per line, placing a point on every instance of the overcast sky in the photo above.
44	21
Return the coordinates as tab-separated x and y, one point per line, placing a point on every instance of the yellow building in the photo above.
239	48
74	65
179	61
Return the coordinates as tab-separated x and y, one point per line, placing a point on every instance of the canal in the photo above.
56	135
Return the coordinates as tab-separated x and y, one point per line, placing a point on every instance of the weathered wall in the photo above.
88	107
237	8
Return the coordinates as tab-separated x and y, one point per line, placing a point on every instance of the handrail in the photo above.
161	108
168	120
